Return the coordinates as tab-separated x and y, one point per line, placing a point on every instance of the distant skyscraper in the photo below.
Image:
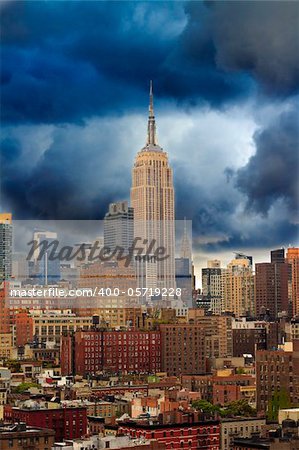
184	279
271	286
212	288
5	246
277	256
47	269
40	236
152	197
20	267
119	226
238	287
185	250
183	269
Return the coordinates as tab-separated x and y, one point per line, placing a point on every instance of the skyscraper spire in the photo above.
151	127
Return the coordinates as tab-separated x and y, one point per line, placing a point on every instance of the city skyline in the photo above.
149	239
67	153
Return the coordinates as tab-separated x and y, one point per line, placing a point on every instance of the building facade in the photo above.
179	433
183	349
89	352
293	260
5	246
271	287
68	423
119	227
277	376
238	288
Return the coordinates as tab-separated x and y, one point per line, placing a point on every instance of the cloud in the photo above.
80	168
75	171
272	172
67	61
264	40
258	38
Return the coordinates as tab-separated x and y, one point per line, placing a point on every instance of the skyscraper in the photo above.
184	269
238	287
5	246
212	286
271	286
152	197
46	268
119	227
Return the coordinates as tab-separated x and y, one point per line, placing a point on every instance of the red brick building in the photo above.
24	328
88	352
4	311
182	431
68	423
218	389
183	349
276	371
271	289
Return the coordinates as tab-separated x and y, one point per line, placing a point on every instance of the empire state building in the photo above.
152	197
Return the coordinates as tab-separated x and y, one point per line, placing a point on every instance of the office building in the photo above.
46	265
212	286
238	287
271	286
152	197
119	227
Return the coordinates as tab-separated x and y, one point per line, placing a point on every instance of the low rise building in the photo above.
68	423
21	436
176	430
239	427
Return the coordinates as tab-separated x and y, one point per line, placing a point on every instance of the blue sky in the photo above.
74	97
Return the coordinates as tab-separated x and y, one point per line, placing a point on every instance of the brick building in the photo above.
218	332
271	289
4	310
277	370
183	349
251	335
68	423
88	352
219	389
24	327
293	259
177	430
20	436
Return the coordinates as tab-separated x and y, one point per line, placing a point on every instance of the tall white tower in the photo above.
152	197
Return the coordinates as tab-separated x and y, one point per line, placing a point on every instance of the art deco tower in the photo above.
152	197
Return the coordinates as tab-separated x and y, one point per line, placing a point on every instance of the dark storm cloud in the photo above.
258	38
261	38
72	179
67	62
272	173
63	61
